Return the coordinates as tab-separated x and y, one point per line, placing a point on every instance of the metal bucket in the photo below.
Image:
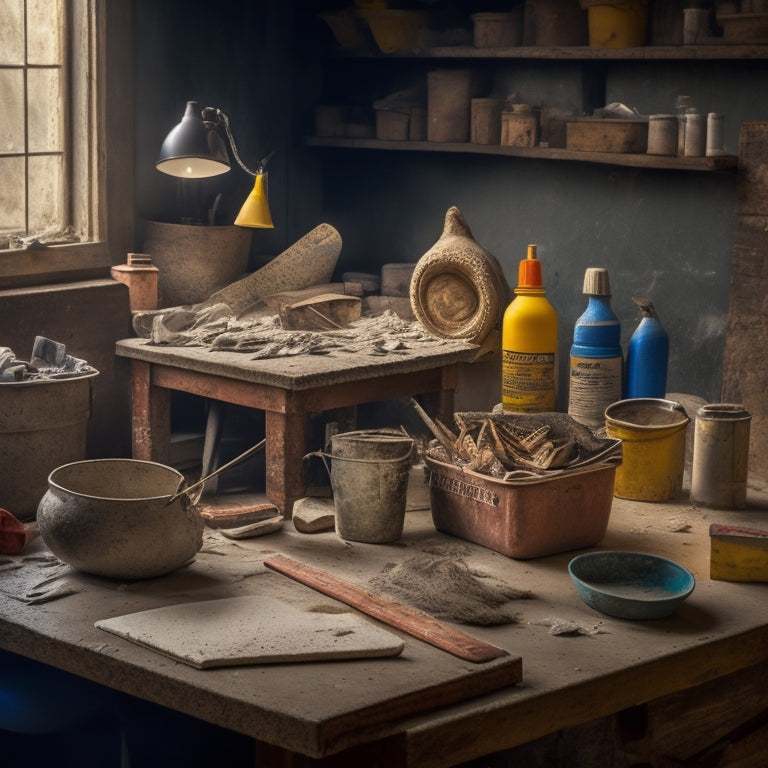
652	432
43	424
369	478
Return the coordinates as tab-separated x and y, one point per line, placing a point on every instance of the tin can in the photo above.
662	135
720	456
695	135
714	134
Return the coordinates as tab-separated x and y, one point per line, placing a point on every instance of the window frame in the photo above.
100	105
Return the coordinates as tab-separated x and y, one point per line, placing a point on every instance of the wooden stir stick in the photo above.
413	622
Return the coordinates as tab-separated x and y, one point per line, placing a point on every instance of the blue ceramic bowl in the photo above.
630	585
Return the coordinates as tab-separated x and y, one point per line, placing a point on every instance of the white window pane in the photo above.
11	32
43	31
12	194
12	110
46	185
44	110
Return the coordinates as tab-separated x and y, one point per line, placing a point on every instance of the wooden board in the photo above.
418	624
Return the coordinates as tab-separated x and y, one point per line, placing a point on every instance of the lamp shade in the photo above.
255	210
193	149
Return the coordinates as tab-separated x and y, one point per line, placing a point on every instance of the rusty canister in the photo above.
720	456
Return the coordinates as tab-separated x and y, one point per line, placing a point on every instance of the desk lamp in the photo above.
194	149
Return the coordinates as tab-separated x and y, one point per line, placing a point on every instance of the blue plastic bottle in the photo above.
647	355
597	362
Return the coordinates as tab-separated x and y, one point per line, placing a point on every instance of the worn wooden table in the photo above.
287	389
426	708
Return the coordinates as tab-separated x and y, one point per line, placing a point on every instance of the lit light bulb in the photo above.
189	170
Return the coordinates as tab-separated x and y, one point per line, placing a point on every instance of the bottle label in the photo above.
594	383
528	381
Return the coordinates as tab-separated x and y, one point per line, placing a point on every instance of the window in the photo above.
33	195
64	79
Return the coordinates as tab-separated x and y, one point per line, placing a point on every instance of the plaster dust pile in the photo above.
439	582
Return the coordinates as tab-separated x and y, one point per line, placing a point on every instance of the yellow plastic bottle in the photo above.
529	344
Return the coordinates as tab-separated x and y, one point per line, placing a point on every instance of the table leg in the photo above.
285	450
151	416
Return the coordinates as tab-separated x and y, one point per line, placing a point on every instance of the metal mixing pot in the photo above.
120	518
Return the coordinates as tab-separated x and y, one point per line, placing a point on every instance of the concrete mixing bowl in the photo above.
112	517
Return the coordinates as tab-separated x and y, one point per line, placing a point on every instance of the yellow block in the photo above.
738	554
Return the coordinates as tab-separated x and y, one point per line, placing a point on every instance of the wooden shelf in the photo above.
721	163
712	52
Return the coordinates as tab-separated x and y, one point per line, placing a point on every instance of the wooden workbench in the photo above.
287	389
422	708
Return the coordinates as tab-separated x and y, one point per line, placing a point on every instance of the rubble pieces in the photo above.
49	360
508	446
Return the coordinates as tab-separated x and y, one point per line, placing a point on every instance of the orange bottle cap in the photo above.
529	271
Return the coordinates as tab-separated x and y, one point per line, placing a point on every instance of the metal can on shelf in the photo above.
662	135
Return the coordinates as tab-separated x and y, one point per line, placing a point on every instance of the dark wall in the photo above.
236	56
665	234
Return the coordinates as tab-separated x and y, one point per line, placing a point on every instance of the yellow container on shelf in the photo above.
621	24
393	29
652	432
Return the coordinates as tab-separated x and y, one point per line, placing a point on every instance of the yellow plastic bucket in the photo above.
652	432
617	25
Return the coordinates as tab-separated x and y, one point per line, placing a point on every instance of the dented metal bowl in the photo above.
118	518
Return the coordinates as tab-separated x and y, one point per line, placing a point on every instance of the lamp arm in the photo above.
222	118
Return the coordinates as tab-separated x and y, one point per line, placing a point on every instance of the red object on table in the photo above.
13	534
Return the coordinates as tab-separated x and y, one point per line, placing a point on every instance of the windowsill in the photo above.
44	265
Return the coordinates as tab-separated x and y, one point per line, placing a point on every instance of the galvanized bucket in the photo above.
369	477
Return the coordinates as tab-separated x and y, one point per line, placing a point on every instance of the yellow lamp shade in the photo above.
255	210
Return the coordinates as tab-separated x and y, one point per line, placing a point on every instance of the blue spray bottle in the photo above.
647	355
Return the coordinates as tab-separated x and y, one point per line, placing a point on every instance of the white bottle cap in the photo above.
596	282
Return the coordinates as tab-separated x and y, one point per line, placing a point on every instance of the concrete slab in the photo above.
255	629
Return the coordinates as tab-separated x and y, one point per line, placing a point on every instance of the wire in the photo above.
215	115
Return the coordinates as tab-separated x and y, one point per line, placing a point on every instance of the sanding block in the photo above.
738	554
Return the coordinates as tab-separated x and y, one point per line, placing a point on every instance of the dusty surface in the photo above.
577	664
391	351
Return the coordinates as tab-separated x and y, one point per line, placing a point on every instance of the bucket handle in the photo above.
323	456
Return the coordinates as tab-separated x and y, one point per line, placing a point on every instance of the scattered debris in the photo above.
261	528
515	446
49	360
235	514
568	628
263	335
439	582
314	515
